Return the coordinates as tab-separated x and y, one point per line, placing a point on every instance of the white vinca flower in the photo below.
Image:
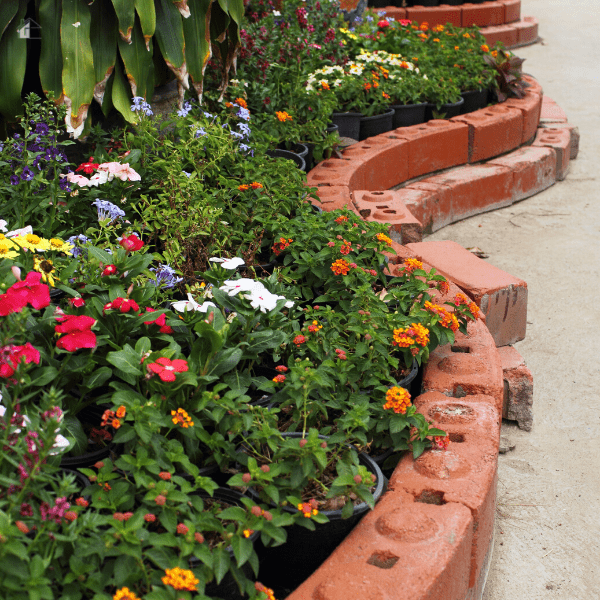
235	286
228	263
190	305
3	225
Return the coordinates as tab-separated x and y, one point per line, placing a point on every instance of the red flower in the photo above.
11	303
279	378
109	270
77	302
88	167
11	357
165	475
131	243
166	368
299	340
78	330
181	528
161	322
30	291
149	518
281	369
124	305
383	24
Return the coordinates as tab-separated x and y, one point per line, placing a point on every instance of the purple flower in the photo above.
107	210
64	184
140	105
42	129
184	111
244	129
14	180
243	113
27	174
244	147
199	132
165	277
77	240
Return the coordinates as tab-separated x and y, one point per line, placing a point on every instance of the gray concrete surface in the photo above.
548	518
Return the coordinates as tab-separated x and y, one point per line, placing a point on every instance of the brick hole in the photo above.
462	349
392	137
366	147
422	128
550	138
383	560
377	193
329	164
489	114
459	392
431	497
389	211
382	206
457	438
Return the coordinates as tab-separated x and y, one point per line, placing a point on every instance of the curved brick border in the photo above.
431	535
499	21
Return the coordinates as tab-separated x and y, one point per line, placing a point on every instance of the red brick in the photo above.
527	30
512	10
465	473
385	161
333	197
336	171
518	388
500	33
492	131
435	145
470	366
533	168
574	149
435	15
488	13
501	297
559	139
552	112
425	205
393	11
530	107
534	85
470	190
432	545
388	207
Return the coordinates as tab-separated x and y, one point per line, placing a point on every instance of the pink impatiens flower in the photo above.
78	330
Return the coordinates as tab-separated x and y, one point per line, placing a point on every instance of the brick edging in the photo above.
431	535
498	21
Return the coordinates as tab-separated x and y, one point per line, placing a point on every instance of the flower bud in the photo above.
256	511
265	468
303	443
323	445
246	478
357	479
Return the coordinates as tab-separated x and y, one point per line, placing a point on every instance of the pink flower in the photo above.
109	270
11	357
77	302
160	321
31	291
78	330
124	305
166	368
131	243
80	180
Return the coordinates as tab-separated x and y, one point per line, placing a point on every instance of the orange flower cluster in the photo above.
125	594
346	247
398	399
314	327
254	185
309	508
265	590
108	417
412	264
448	319
180	417
281	245
384	238
462	299
241	102
341	267
441	442
405	337
341	219
181	579
283	116
324	85
485	48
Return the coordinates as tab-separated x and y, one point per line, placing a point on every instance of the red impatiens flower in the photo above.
12	356
11	303
78	330
122	304
29	291
77	302
109	270
88	167
131	243
161	322
166	368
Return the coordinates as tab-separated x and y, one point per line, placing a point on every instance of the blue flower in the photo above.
27	174
188	175
107	210
140	105
237	135
184	111
165	277
243	113
42	129
208	115
199	132
14	180
245	129
64	185
77	240
369	18
244	147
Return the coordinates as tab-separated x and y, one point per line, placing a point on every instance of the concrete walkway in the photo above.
547	542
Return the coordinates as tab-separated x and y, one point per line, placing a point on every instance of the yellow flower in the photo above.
46	268
60	245
283	116
125	594
32	242
6	250
384	238
181	579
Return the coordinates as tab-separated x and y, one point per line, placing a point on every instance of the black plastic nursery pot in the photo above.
406	115
296	158
348	124
474	100
377	124
449	110
288	565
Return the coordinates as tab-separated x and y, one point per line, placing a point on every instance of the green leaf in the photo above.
98	378
169	35
196	30
221	563
242	549
48	374
161	557
78	78
16	548
347	510
225	361
127	360
13	58
103	38
143	345
125	10
147	14
138	62
121	94
51	64
8	10
71	428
